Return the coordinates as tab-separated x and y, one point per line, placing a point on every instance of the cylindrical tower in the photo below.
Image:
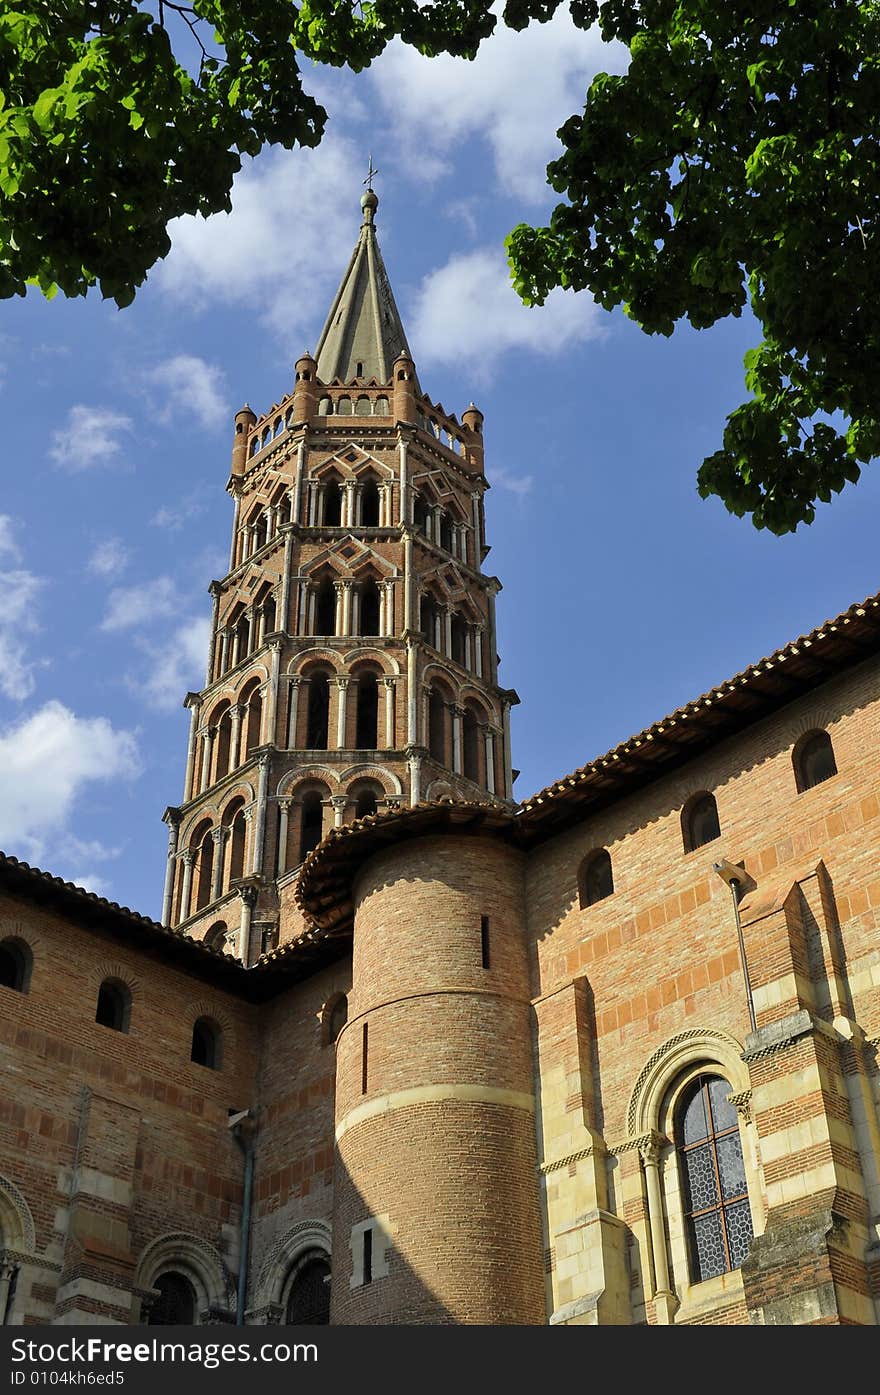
244	422
436	1214
304	389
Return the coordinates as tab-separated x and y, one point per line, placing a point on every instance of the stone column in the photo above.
219	837
192	702
342	685
292	712
251	627
664	1298
447	631
313	504
233	551
469	649
7	1270
346	608
349	505
355	620
338	622
405	496
389	685
261	628
248	899
172	818
236	646
339	802
236	712
385	504
207	735
274	670
313	604
302	623
457	717
297	486
283	824
187	858
282	621
412	697
436	515
260	831
478	650
215	589
407	581
271	522
224	650
508	770
414	758
390	626
489	737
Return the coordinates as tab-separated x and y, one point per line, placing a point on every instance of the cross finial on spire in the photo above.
371	174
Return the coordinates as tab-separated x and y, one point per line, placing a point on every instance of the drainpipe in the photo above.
244	1129
736	880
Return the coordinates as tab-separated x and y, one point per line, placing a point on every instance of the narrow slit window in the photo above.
484	940
368	1256
364	1047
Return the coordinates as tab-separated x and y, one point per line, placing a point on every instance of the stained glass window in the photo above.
716	1201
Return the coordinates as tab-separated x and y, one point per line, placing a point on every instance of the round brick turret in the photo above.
472	421
245	420
305	389
404	389
436	1214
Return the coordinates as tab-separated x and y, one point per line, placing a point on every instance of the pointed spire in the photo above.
364	325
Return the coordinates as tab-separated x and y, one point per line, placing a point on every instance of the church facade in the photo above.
405	1050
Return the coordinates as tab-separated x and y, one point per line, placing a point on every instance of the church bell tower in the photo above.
352	663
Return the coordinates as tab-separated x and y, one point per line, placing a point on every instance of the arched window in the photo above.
16	963
718	1219
343	406
318	712
269	611
700	822
362	406
365	804
254	721
308	1300
596	880
420	514
814	760
471	745
382	407
332	505
336	1019
446	532
459	630
325	407
369	608
370	505
203	843
237	836
312	823
207	1044
325	608
176	1304
223	740
428	620
437	726
367	729
114	1005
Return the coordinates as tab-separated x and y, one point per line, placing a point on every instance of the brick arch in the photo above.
197	1260
301	1238
243	791
112	968
205	1007
289	782
223	701
439	672
469	694
308	657
700	1045
368	654
386	778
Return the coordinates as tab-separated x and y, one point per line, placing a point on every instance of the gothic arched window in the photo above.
308	1300
114	1005
700	822
718	1219
596	880
176	1304
814	760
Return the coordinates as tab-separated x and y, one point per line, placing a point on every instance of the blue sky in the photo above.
624	594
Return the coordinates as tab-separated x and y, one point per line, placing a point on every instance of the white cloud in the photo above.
280	251
177	666
191	386
515	94
173	516
47	760
521	485
130	606
109	558
467	312
90	881
8	543
18	594
90	438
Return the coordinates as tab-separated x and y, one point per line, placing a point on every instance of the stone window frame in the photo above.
382	1232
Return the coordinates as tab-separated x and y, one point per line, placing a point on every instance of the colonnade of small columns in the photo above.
235	642
262	529
465	745
347	619
439	630
231	858
445	532
289	850
342	713
351	511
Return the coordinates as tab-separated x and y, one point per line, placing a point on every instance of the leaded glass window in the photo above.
716	1201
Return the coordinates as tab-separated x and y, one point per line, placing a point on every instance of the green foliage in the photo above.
737	162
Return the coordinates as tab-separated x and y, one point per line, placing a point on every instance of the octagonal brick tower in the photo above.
352	664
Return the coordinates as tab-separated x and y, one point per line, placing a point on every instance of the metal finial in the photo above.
371	174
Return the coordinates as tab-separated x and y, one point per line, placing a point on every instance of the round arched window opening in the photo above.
308	1299
814	761
114	1005
597	878
207	1044
718	1218
16	962
176	1304
701	823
